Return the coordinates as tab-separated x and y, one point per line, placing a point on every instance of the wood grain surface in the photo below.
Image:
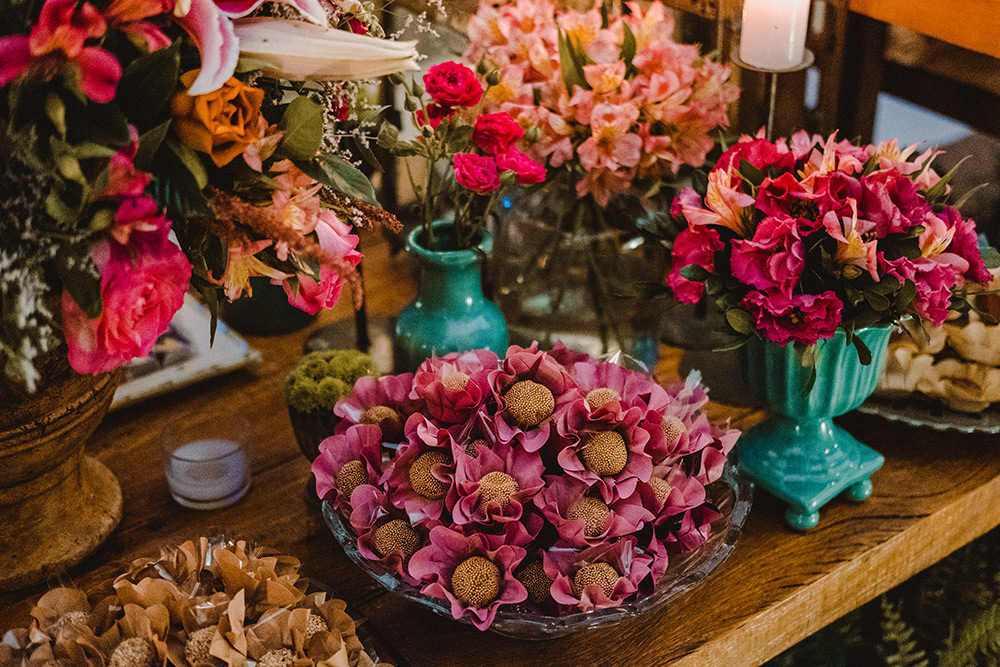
936	492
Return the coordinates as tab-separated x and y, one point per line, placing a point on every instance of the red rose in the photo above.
476	173
527	170
495	133
452	84
434	116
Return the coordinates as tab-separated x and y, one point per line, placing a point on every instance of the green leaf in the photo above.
81	279
628	50
741	321
571	67
938	190
694	272
458	140
149	144
339	174
102	219
388	136
887	285
864	354
191	162
302	125
176	187
991	257
148	83
961	202
751	173
59	210
55	109
877	301
906	294
103	124
699	182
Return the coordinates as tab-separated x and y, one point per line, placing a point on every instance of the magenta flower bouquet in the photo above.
796	238
545	483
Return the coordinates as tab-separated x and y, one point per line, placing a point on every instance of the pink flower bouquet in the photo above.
542	484
138	163
797	238
605	95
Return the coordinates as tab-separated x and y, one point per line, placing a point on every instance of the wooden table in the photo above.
936	492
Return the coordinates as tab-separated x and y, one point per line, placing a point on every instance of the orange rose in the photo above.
222	123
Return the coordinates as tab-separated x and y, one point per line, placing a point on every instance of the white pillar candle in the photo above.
773	36
206	474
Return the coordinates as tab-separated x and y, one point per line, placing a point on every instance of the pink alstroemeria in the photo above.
243	265
852	248
612	145
59	39
129	17
725	204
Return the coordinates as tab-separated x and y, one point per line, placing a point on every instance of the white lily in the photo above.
300	51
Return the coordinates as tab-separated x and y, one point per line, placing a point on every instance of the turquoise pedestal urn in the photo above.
450	313
799	454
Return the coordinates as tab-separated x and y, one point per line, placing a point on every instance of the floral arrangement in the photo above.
126	120
543	481
797	238
207	603
469	154
606	94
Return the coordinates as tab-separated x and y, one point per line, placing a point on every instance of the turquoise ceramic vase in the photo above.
799	454
450	313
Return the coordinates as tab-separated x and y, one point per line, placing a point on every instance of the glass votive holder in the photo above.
205	460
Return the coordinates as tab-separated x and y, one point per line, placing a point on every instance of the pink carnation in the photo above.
803	318
775	256
694	246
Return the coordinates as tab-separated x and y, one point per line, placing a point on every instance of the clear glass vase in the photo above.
559	274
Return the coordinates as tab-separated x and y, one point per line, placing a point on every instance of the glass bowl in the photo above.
731	495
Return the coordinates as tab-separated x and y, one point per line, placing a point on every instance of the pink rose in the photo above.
337	242
476	173
142	286
452	84
495	133
435	114
804	318
527	170
694	246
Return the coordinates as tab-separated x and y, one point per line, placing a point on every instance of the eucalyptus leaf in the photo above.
741	321
864	354
302	125
55	109
906	294
339	174
102	219
148	83
59	210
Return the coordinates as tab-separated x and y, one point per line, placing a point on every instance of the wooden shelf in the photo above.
937	492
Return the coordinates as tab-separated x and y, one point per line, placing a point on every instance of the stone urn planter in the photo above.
57	505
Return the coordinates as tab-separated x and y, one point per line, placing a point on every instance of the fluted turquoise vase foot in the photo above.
799	455
807	464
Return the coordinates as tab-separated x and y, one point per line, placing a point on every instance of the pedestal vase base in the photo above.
47	534
807	464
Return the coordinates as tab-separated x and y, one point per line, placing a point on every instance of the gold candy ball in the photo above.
602	574
350	476
197	647
529	403
315	623
396	534
602	396
476	581
673	430
497	487
423	482
377	414
593	511
661	489
470	447
132	652
456	380
533	577
279	657
605	453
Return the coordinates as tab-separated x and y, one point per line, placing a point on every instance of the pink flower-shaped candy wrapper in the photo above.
525	409
479	432
346	461
598	577
382	401
384	532
691	529
422	472
610	386
456	386
609	456
494	486
583	520
475	573
669	492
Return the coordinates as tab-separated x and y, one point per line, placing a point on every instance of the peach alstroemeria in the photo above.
725	204
852	248
612	145
831	159
605	78
243	265
296	203
59	39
